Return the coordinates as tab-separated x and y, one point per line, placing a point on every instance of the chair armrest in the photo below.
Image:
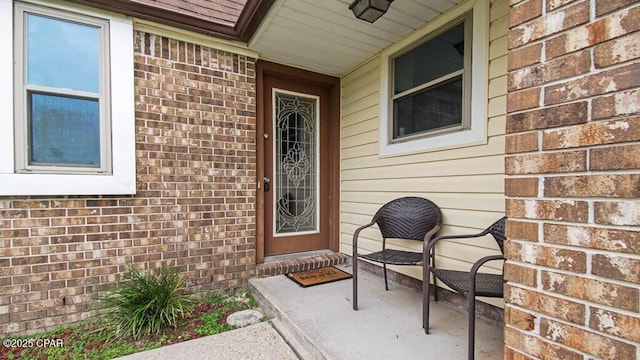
429	239
431	233
432	242
355	237
474	271
478	264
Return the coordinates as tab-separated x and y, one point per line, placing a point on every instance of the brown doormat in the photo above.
318	276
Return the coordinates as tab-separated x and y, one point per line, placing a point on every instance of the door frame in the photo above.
332	84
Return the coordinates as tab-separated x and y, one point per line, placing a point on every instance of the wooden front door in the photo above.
298	177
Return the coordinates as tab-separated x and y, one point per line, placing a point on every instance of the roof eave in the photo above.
248	21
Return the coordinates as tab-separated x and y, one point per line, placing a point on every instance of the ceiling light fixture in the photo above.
369	10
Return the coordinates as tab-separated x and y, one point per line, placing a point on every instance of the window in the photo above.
73	123
433	89
430	82
62	118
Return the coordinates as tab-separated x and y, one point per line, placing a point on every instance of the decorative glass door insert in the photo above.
296	163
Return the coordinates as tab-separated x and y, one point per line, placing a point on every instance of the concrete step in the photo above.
304	348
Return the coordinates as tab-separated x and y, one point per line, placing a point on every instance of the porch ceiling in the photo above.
324	36
317	35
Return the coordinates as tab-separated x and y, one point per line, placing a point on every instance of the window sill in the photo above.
55	184
436	143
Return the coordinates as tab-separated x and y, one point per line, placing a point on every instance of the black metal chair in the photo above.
411	218
467	283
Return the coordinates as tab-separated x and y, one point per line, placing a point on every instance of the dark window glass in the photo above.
436	58
63	130
428	85
434	108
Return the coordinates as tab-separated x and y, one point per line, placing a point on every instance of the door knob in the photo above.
266	182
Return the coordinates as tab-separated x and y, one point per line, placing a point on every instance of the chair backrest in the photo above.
497	231
407	218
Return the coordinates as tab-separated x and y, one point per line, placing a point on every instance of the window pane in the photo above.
296	176
63	130
434	108
435	58
62	54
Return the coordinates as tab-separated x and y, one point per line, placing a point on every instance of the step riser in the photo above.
304	348
281	267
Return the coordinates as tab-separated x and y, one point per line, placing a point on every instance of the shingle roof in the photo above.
228	19
225	12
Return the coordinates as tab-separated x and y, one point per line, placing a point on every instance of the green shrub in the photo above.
145	303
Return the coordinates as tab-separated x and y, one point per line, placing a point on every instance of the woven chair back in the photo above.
407	218
497	231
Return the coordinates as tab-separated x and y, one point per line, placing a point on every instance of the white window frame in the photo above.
121	177
475	132
22	87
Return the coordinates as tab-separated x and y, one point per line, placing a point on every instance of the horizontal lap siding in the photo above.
467	183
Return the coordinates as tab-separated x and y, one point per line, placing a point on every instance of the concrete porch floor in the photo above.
318	322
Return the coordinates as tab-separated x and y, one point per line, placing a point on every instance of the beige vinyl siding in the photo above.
466	182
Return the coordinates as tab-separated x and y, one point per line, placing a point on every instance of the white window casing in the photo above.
474	134
118	176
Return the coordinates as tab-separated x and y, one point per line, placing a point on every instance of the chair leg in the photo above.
472	323
435	280
435	290
355	281
386	284
426	289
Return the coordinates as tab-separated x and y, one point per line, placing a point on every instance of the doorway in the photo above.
297	172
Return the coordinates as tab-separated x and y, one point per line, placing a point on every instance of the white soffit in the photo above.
324	36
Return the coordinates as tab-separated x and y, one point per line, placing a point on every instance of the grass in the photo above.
93	340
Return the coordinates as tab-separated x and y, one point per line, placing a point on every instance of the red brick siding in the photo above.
573	180
194	207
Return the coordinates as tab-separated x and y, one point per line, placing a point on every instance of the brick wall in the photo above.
195	201
573	180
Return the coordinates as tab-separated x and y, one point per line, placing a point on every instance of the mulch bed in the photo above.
183	331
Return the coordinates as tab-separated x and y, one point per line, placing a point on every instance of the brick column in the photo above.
573	180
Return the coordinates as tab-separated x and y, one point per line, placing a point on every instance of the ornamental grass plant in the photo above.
144	303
